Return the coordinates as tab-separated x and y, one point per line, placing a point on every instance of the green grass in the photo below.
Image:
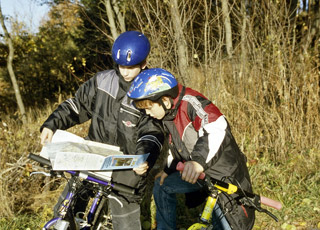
296	185
22	222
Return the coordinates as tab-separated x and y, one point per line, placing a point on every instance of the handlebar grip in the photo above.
180	167
271	203
123	188
39	159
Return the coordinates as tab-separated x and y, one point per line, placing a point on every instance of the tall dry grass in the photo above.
20	193
273	106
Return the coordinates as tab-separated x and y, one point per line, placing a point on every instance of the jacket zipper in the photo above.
124	110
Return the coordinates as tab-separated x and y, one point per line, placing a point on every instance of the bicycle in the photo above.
95	217
216	188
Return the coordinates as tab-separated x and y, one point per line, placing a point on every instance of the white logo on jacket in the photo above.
128	124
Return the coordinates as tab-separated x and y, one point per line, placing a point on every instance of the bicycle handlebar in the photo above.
40	159
271	203
263	200
90	176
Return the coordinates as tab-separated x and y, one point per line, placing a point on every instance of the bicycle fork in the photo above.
208	209
212	216
58	222
206	213
93	208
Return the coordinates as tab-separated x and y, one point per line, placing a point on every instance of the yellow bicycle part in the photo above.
198	226
207	211
230	190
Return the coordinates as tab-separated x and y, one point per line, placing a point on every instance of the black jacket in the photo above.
114	120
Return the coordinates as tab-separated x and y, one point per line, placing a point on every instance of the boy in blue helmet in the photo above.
115	121
200	135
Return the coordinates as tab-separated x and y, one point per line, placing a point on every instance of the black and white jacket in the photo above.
114	120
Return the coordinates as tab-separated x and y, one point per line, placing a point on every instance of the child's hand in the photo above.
191	171
46	136
141	169
162	176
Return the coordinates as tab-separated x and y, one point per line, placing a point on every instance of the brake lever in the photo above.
255	203
48	174
40	172
269	213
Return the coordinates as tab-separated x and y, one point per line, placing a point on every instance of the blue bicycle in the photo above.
96	215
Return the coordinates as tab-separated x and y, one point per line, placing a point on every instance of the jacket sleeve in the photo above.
209	146
170	167
74	110
150	138
211	126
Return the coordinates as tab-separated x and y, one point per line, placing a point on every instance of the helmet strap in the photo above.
166	110
160	101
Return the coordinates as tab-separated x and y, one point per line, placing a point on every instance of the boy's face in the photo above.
156	111
129	72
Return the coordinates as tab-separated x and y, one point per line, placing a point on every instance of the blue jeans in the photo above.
166	202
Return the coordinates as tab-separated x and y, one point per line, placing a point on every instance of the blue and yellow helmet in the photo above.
130	48
152	84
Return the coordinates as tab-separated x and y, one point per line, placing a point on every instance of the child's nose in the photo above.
125	72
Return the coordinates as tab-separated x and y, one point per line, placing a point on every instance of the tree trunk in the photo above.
227	25
111	19
205	34
10	69
313	33
119	15
243	39
315	25
180	40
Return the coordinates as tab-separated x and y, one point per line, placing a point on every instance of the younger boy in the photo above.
198	134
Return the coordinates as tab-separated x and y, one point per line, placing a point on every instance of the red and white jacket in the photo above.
199	131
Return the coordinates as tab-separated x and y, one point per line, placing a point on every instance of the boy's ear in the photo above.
143	65
167	102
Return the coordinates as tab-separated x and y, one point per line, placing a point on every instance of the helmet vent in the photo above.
129	55
118	54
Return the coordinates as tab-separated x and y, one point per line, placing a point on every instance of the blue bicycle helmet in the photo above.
130	48
152	84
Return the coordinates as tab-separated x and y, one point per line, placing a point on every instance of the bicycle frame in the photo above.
84	224
104	189
58	221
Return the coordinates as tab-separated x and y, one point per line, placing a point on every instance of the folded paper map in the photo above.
71	152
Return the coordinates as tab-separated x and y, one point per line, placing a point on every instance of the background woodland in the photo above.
258	61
